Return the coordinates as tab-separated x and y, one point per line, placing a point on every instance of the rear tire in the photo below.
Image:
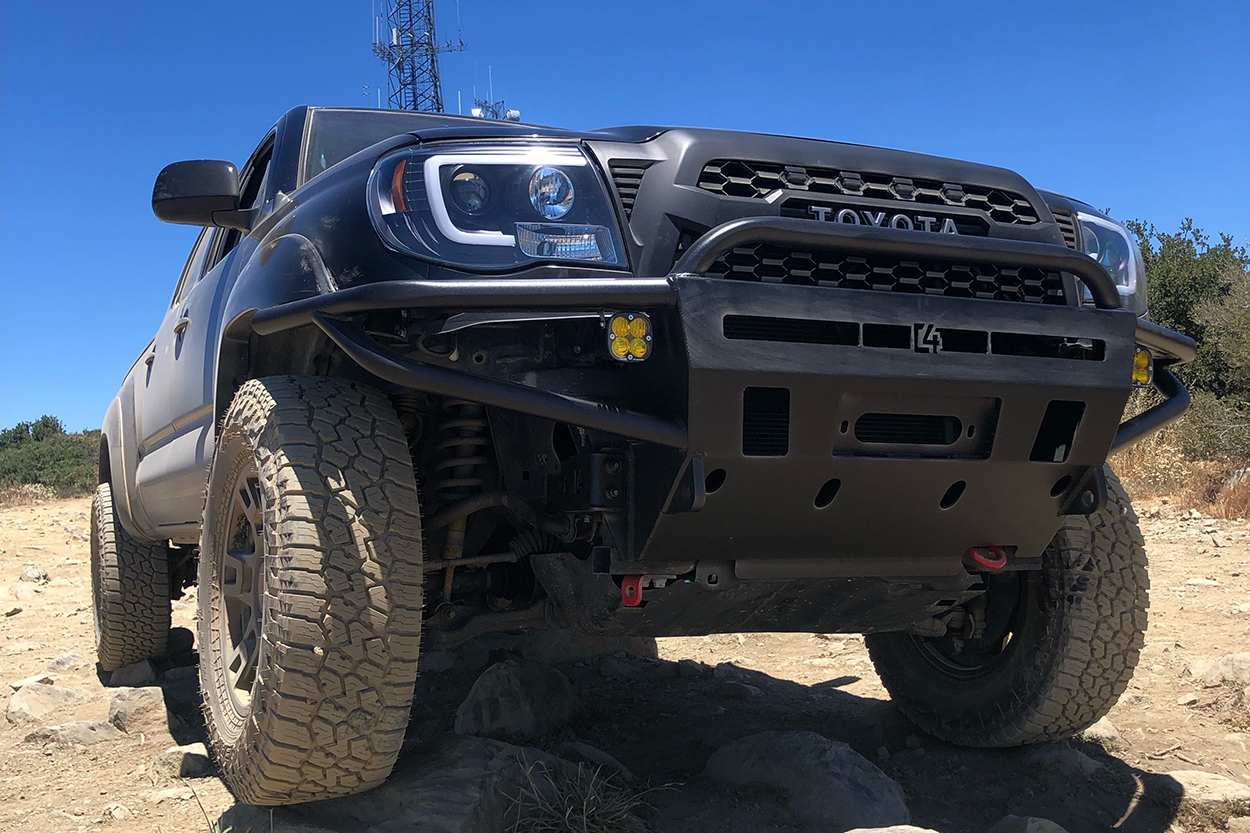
310	590
129	589
1069	640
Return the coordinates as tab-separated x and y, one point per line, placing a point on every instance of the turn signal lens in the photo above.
629	336
1143	368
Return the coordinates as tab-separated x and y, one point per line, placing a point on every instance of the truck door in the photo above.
161	412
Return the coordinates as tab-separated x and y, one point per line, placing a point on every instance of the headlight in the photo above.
1117	250
495	206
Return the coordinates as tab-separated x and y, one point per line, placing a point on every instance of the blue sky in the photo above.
1140	107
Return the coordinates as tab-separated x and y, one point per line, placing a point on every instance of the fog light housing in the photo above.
1143	368
629	336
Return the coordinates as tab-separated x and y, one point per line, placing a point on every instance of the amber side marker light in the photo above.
1143	368
629	336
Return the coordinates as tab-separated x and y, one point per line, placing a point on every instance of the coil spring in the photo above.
460	453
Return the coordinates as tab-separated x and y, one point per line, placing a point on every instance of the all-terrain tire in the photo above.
339	590
129	589
1070	657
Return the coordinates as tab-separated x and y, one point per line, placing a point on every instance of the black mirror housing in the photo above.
201	192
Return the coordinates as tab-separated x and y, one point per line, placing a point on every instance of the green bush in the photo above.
1203	289
42	453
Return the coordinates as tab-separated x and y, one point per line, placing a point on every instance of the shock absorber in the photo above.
462	454
408	408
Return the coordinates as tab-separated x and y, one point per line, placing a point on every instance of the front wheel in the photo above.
310	590
1053	651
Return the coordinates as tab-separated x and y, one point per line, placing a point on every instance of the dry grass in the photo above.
585	800
1156	467
1234	502
20	494
1191	815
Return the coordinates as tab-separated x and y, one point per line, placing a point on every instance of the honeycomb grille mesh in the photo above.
767	263
742	178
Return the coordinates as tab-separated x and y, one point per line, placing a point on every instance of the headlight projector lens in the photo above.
551	192
469	192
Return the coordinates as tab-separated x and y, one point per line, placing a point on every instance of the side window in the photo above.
252	193
194	269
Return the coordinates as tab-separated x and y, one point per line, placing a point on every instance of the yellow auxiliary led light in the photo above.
1143	367
629	336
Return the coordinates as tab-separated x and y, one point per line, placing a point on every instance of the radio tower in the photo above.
406	43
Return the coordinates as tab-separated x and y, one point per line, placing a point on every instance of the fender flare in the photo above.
119	459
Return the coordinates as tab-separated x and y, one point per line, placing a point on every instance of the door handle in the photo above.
181	326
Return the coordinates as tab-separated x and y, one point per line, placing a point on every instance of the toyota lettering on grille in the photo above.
864	217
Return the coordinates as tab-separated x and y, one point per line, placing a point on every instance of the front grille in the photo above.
1067	226
767	263
743	178
627	177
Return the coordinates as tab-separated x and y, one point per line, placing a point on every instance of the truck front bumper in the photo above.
828	432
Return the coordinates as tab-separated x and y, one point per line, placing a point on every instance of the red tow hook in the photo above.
631	590
997	562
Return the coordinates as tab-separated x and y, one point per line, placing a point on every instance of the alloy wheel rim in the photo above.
240	583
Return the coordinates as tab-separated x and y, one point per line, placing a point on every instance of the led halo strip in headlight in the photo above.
1116	250
562	157
527	203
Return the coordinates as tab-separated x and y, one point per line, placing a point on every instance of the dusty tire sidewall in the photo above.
130	604
236	450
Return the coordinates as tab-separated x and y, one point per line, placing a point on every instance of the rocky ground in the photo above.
759	732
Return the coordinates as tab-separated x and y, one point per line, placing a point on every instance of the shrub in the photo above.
42	454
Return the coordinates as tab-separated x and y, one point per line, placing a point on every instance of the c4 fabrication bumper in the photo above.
828	432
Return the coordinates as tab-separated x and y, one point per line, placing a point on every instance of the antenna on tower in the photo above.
491	109
406	42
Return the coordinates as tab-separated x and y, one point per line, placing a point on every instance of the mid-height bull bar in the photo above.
599	294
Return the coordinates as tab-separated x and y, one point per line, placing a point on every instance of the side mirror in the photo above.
202	192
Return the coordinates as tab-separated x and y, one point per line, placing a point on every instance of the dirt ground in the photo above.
664	726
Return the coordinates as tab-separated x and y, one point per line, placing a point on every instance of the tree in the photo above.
1202	290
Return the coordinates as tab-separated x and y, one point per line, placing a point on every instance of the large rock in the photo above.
139	710
1233	669
190	761
74	733
37	679
830	785
1104	731
34	575
461	785
33	703
1025	824
66	662
136	674
517	699
1060	758
1204	787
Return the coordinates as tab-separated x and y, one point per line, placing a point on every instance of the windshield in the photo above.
337	134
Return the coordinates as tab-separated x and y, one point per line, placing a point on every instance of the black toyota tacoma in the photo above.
426	377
